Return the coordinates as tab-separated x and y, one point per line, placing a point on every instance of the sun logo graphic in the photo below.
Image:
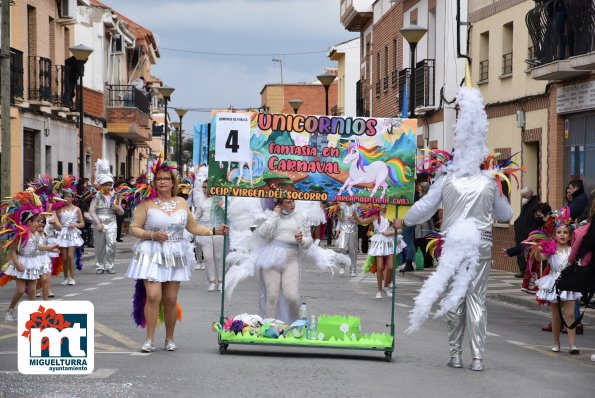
56	337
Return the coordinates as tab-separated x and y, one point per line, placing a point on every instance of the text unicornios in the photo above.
317	124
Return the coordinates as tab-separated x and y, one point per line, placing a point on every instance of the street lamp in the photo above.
176	126
280	61
413	34
81	53
295	104
326	79
166	93
181	112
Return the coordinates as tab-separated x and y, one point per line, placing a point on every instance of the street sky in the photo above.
269	27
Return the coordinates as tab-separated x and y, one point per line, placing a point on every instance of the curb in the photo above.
527	302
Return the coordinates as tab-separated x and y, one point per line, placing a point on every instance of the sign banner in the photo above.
323	158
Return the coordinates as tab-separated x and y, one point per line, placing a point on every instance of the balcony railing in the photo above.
378	88
359	99
157	131
561	29
63	90
125	96
424	83
394	77
507	64
404	75
484	71
336	111
385	84
40	79
17	71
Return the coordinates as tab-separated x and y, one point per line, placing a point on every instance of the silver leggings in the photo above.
471	312
105	247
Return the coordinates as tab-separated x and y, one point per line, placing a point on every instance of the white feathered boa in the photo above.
459	262
241	263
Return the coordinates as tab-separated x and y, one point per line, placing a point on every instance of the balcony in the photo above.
40	81
128	113
378	88
424	85
356	14
385	84
563	36
63	89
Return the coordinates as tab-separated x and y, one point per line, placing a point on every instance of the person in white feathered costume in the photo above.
277	250
470	199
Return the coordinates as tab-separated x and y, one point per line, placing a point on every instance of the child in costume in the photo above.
45	279
346	229
162	257
25	265
70	220
556	254
105	205
209	213
382	249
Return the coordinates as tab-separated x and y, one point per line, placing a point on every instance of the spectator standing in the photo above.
578	199
523	225
423	230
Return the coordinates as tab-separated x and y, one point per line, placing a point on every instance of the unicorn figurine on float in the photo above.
365	168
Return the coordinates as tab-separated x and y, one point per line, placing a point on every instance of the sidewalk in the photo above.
504	287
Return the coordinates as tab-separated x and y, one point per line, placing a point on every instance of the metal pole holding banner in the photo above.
221	317
393	287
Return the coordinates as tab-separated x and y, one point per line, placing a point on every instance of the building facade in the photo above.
347	57
274	98
44	133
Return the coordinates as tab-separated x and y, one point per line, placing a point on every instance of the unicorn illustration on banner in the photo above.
365	166
246	172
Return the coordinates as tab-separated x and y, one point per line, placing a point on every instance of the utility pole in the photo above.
5	99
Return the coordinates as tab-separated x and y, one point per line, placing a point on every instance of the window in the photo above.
66	8
117	44
507	31
484	55
70	168
60	168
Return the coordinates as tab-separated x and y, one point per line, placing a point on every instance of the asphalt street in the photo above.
518	360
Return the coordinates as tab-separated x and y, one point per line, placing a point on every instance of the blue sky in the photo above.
272	27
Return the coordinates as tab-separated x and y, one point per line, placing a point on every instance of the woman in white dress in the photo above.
162	257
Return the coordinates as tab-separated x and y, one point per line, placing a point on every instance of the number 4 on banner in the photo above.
232	137
232	141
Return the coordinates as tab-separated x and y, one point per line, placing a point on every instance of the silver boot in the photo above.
455	362
476	364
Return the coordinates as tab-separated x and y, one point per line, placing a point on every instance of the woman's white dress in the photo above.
163	262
